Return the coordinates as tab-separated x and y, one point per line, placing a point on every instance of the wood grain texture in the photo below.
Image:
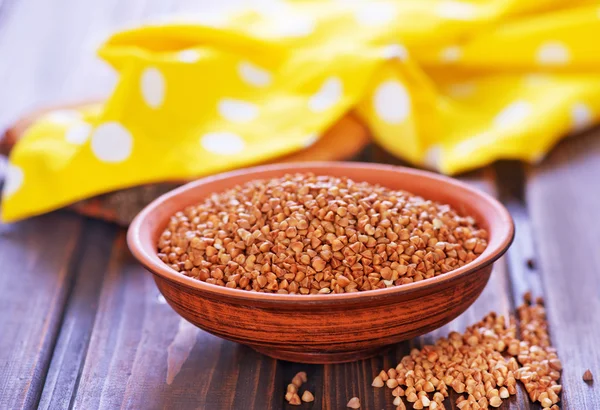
34	284
563	198
89	265
522	258
120	345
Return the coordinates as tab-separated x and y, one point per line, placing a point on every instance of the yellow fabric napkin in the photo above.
451	85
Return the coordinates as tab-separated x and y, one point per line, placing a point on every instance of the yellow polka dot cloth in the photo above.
450	85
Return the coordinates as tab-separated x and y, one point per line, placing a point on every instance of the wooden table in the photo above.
82	325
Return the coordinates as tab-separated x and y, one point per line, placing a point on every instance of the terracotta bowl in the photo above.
325	328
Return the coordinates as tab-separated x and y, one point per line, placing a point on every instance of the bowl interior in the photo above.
490	214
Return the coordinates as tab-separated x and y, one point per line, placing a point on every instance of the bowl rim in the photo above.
157	267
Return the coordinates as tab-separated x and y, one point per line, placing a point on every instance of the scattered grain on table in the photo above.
354	403
484	363
292	396
307	396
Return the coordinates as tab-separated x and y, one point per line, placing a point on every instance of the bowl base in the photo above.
321	358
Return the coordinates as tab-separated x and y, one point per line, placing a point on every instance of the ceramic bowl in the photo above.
335	327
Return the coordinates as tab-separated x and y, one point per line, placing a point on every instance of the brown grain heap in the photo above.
306	234
541	367
480	364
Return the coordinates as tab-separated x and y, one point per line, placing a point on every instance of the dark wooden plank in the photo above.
35	282
521	258
563	199
71	348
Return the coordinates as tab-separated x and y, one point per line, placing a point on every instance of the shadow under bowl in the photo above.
328	328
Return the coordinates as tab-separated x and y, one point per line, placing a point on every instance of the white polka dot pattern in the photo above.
391	102
222	143
13	180
63	116
456	10
188	56
582	116
254	75
311	140
375	14
513	114
553	53
433	157
395	51
78	133
111	142
152	84
328	95
296	26
237	111
451	54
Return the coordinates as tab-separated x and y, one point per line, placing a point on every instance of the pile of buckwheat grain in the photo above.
307	234
481	364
